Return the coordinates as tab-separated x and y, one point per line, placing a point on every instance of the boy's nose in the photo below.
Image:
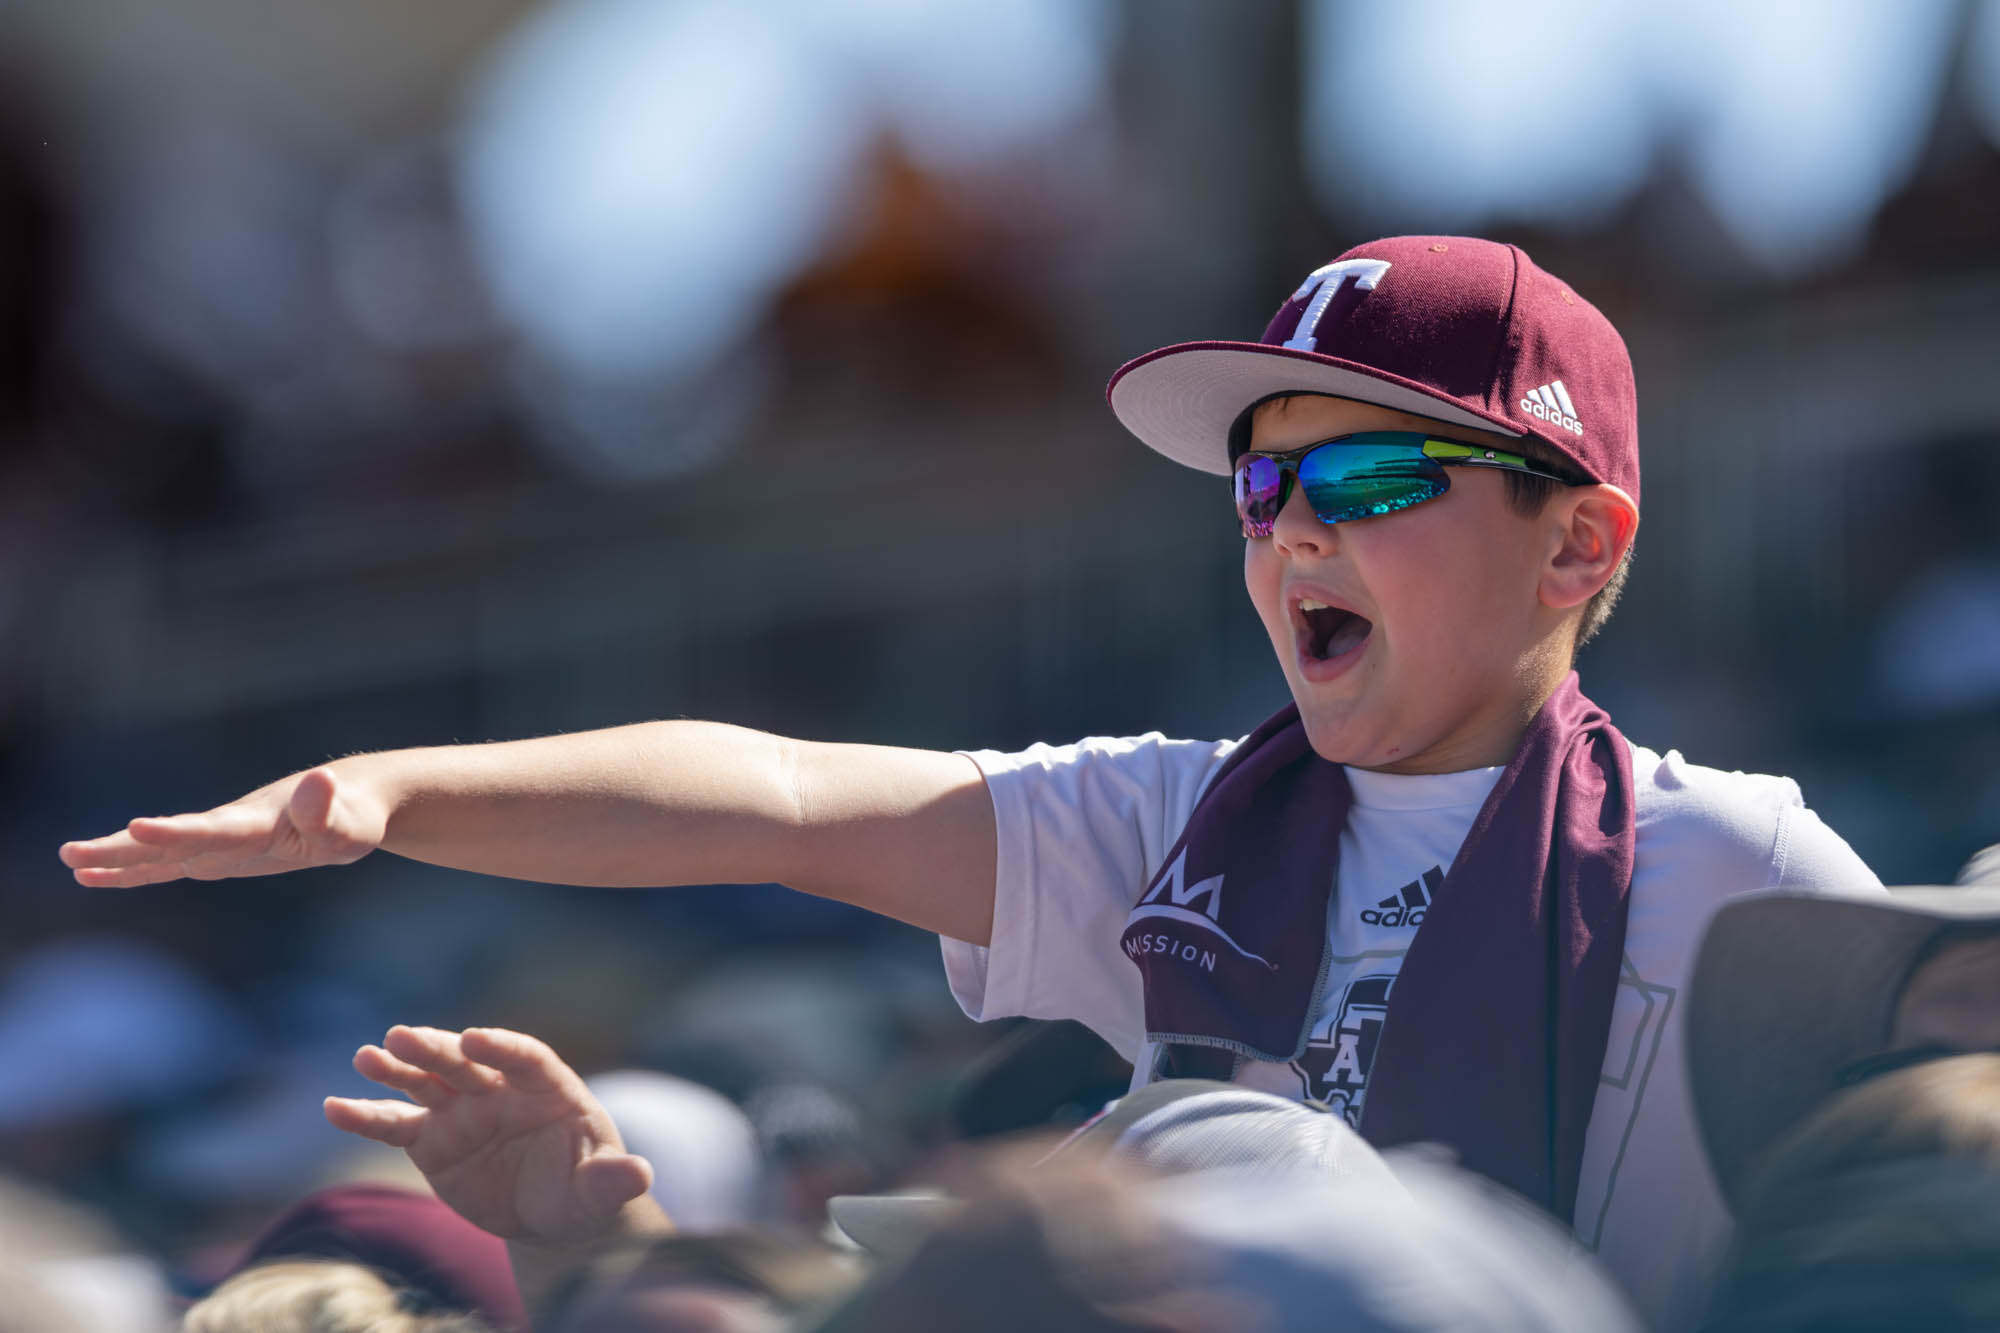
1298	529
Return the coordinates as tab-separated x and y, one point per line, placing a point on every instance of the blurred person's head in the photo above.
30	1307
1797	997
1951	999
412	1239
1434	451
322	1296
62	1267
1169	1127
817	1147
1947	1107
1065	1255
1881	1211
1098	1248
94	1030
1198	1204
708	1167
723	1282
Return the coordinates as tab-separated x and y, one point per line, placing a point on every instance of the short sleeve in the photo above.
1713	834
1082	828
1812	858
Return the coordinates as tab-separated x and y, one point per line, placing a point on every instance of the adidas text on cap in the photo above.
1454	328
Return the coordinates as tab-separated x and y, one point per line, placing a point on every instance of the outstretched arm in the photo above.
510	1138
906	833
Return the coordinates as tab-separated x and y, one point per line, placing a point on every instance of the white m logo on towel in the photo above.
1175	889
1173	899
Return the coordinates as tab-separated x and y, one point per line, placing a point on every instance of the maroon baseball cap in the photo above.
415	1238
1450	327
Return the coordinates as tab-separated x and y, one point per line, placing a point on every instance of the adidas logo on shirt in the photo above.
1406	906
1551	403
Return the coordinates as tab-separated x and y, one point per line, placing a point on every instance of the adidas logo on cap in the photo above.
1551	403
1407	906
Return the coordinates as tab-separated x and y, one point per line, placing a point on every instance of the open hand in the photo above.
506	1133
309	819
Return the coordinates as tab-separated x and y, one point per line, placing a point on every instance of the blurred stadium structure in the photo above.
374	374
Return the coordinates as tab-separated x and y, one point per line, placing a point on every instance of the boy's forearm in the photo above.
908	833
649	804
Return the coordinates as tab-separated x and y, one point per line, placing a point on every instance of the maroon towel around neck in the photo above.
1498	1020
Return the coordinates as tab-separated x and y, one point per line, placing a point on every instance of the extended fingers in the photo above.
527	1061
421	1086
130	877
394	1123
150	850
441	1053
116	849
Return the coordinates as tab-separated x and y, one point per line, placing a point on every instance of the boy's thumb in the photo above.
610	1180
312	801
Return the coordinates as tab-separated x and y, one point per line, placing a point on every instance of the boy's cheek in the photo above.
1261	578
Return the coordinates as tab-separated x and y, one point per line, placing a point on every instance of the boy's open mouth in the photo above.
1327	632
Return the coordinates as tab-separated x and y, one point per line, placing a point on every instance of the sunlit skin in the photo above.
1474	606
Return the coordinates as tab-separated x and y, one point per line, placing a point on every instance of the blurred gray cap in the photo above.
1282	1214
1171	1127
708	1169
1423	1248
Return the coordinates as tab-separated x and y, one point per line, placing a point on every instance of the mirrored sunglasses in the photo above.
1361	476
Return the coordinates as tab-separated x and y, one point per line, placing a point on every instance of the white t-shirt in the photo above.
1084	827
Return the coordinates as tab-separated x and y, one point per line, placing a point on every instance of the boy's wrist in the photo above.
638	1218
540	1266
375	780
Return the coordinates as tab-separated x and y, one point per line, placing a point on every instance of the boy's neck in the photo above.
1491	740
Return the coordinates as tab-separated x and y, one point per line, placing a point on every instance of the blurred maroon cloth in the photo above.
413	1237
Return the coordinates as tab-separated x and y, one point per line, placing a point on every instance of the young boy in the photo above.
1440	893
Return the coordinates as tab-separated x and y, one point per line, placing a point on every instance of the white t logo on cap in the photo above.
1365	272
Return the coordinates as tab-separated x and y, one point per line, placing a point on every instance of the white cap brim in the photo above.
1181	401
891	1226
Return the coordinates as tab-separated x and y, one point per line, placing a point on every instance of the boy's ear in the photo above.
1593	528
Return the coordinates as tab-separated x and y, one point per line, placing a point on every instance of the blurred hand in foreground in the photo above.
312	818
506	1133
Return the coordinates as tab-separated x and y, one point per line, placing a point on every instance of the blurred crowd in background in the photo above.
375	374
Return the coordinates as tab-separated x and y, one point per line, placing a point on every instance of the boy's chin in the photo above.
1336	741
1359	737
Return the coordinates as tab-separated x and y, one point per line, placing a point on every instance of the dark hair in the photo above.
1527	494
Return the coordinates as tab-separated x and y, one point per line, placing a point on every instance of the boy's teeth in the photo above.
1308	604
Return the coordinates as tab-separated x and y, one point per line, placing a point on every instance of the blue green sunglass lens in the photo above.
1260	494
1350	481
